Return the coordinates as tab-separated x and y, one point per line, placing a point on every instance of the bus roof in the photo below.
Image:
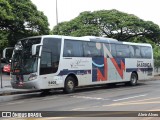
83	38
141	44
91	38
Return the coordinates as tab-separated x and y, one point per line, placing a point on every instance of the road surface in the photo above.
143	97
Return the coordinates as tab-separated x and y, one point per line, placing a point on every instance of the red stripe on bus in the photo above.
100	76
120	70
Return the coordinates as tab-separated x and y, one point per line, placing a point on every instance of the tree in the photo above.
77	27
111	23
3	39
20	18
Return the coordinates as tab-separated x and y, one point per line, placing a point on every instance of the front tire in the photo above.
69	86
133	79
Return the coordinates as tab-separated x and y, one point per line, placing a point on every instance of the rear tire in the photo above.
133	79
70	84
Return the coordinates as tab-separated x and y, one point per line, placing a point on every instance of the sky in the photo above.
147	10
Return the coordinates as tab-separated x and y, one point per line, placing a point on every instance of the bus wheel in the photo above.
133	79
69	85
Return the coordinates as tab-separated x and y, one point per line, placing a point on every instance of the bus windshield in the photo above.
22	61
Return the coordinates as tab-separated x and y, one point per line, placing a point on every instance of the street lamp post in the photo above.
1	71
57	16
56	13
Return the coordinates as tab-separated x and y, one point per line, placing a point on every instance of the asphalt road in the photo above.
143	97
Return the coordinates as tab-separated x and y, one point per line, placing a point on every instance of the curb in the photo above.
12	92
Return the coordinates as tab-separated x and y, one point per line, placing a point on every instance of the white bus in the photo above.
54	61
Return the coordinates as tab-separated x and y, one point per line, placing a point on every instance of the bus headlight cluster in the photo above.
32	77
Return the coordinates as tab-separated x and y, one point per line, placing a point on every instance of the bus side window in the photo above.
131	50
46	65
46	59
72	48
122	50
113	50
86	49
146	52
69	53
137	52
88	54
68	49
91	50
107	46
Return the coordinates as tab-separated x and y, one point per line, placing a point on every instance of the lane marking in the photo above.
141	103
11	103
129	98
50	98
91	98
75	109
141	100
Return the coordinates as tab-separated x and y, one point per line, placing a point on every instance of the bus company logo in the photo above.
6	114
142	64
79	63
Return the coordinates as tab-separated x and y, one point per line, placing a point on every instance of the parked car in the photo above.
3	63
7	68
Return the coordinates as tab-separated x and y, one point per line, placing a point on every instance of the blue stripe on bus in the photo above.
102	65
83	72
76	72
137	69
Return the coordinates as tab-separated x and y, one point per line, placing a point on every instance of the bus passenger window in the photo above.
122	51
72	48
146	52
91	50
69	53
113	50
131	51
88	53
137	53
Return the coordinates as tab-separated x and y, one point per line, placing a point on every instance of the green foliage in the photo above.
20	18
112	24
77	26
5	11
3	39
156	51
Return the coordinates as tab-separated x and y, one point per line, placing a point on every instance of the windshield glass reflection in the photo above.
22	61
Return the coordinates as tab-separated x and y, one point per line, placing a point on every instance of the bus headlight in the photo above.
32	77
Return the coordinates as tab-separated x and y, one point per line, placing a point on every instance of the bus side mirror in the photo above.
7	52
34	48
